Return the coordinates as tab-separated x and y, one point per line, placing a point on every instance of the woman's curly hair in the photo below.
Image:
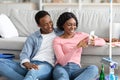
63	18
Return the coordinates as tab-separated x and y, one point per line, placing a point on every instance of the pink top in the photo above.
66	50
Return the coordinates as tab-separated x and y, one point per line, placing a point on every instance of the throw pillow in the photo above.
7	29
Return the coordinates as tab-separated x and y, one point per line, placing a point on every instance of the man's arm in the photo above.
26	52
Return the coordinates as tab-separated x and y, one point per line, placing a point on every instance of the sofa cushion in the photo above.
88	20
116	51
24	21
95	50
100	51
116	30
7	29
93	20
56	13
15	43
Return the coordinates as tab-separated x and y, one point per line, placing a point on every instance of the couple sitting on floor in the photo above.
52	52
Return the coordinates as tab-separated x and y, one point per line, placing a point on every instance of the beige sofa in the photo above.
96	19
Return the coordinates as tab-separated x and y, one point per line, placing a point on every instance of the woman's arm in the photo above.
99	42
26	51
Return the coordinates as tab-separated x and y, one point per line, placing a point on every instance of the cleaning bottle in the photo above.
111	75
102	74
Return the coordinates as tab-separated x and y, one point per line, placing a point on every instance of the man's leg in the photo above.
59	73
43	73
11	69
88	73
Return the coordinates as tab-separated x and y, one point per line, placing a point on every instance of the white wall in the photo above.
8	0
36	2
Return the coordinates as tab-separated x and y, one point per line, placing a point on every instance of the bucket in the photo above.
7	56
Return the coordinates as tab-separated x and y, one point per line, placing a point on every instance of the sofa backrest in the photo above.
24	21
88	20
97	19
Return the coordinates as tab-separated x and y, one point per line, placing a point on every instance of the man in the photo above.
37	57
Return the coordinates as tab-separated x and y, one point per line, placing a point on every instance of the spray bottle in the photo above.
111	75
112	65
91	37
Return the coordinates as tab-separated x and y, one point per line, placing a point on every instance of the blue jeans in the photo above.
72	71
13	71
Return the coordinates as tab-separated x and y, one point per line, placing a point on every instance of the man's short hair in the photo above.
40	15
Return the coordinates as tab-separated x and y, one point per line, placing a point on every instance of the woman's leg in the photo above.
11	69
43	73
59	73
88	73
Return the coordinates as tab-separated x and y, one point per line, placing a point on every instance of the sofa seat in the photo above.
15	43
92	55
12	45
96	50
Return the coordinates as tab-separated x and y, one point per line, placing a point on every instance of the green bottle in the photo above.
102	74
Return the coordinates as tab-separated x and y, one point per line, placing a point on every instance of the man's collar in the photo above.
57	31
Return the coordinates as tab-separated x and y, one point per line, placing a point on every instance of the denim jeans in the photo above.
13	71
72	71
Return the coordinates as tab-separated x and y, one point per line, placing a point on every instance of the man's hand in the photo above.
83	43
29	65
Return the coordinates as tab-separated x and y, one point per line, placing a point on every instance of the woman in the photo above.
68	49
